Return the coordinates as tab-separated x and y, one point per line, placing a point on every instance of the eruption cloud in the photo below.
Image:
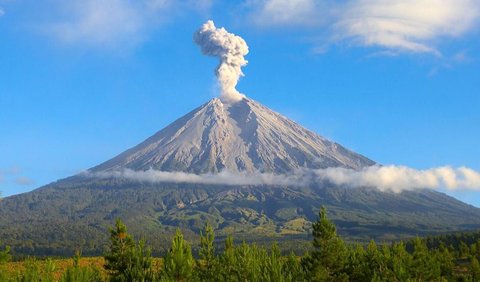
384	178
230	49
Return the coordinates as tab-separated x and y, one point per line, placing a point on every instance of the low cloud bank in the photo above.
223	178
385	178
400	178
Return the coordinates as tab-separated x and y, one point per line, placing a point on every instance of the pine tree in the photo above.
425	267
475	269
401	261
373	260
127	261
293	270
274	266
5	255
446	260
228	260
208	261
355	265
178	265
464	250
327	260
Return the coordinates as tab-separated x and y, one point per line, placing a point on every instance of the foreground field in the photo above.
12	270
17	268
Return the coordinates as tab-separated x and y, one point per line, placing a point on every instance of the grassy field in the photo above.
14	269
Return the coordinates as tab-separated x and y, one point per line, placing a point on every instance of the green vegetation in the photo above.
5	255
330	258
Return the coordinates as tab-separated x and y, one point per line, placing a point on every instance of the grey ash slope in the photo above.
244	136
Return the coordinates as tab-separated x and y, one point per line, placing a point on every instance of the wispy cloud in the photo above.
102	22
270	13
113	23
407	25
24	181
13	174
415	26
224	177
384	178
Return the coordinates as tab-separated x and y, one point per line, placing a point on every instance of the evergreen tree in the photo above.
178	264
228	260
373	260
401	261
207	264
5	255
464	250
247	262
273	268
327	260
474	269
355	265
125	260
293	270
141	263
446	260
425	267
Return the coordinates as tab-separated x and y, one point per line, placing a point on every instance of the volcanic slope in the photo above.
243	136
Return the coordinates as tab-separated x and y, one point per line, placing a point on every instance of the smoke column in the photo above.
230	49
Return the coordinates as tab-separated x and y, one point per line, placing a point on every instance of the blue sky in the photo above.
81	81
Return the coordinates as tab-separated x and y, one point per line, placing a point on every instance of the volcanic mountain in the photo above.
243	136
240	137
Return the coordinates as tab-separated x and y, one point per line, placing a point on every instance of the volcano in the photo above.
240	137
243	136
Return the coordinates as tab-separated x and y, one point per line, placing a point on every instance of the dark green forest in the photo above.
451	257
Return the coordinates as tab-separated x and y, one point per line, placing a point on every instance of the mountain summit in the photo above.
244	136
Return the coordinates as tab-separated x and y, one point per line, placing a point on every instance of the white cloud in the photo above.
384	178
400	178
408	25
23	180
113	23
285	12
2	12
224	178
13	174
401	25
101	22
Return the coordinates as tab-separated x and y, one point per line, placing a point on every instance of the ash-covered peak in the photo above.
241	136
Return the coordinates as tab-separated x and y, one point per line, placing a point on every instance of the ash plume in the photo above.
230	49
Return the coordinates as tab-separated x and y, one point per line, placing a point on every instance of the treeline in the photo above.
330	259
